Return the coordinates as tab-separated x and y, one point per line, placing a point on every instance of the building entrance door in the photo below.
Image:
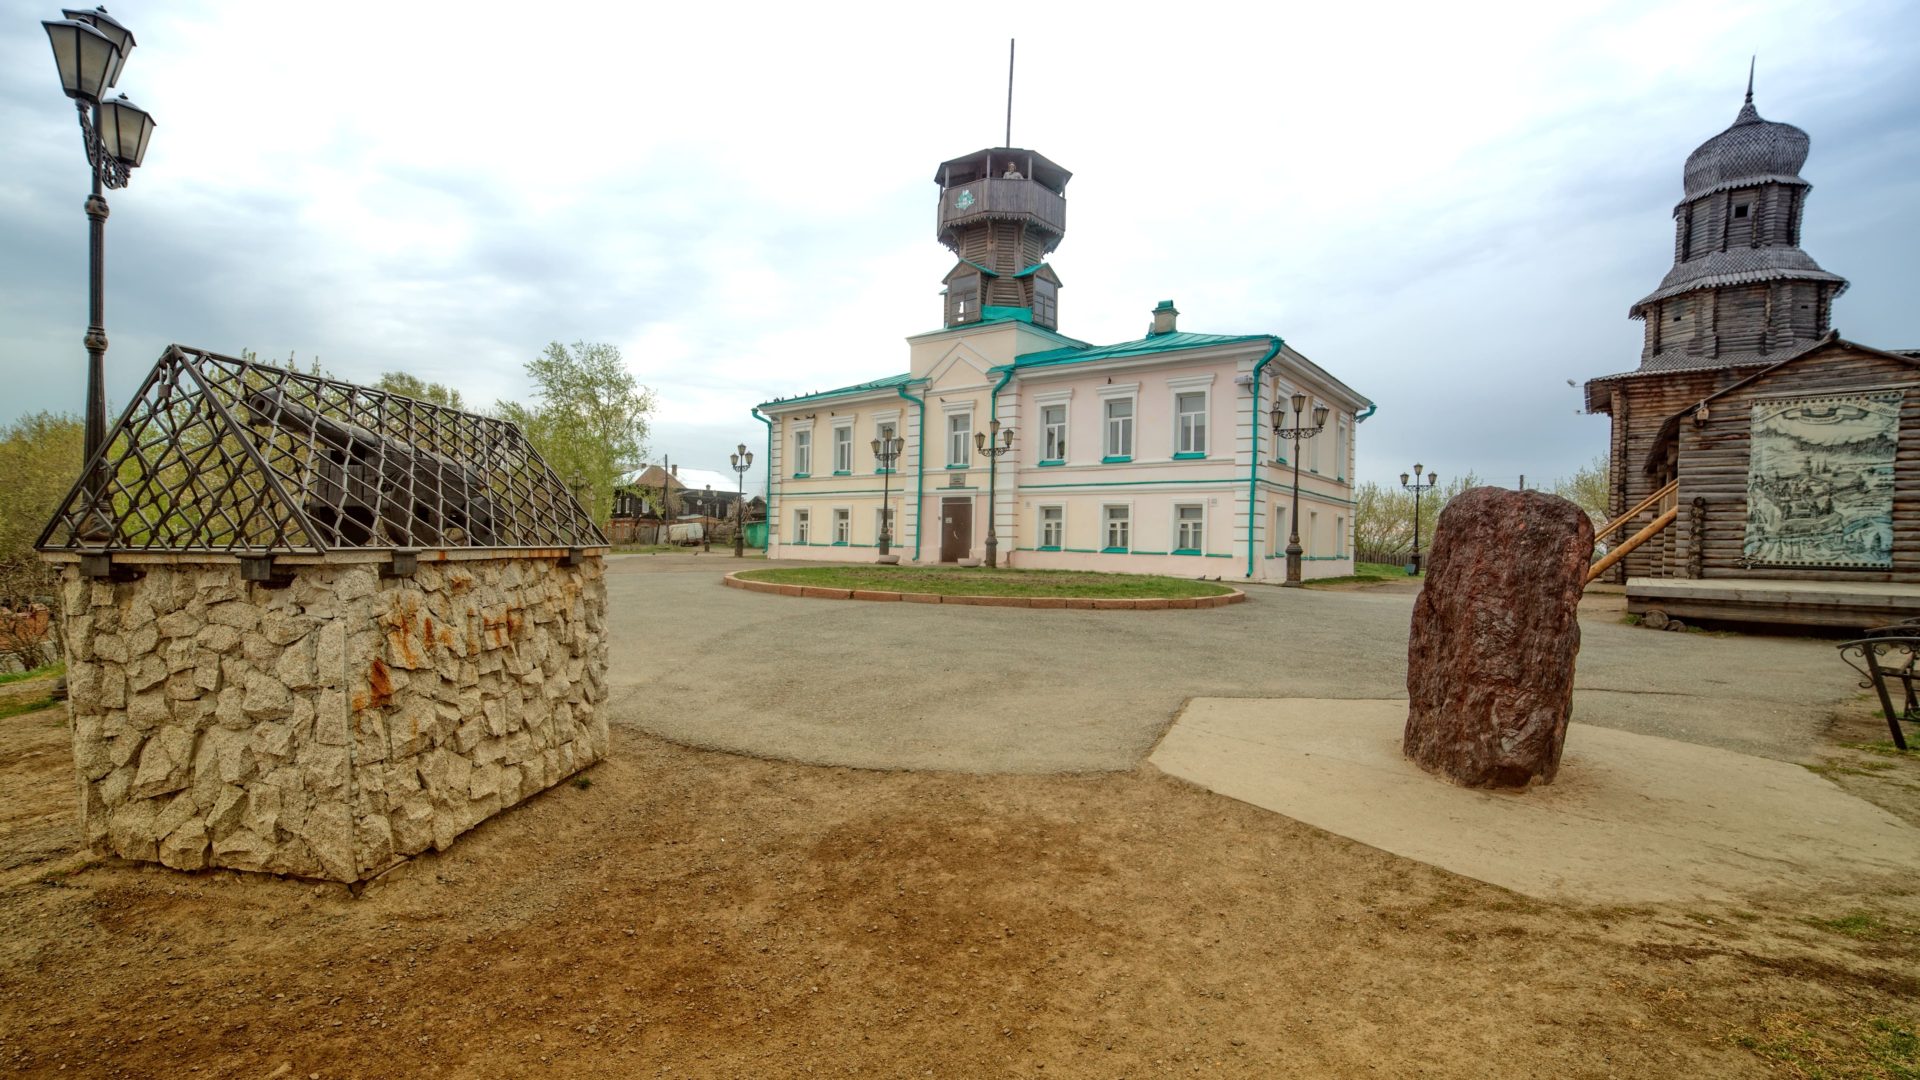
956	529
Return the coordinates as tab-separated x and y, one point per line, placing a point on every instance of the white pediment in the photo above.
962	367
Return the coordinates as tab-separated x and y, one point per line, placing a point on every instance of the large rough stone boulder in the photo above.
1495	633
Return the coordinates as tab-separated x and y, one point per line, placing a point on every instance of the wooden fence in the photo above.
1382	555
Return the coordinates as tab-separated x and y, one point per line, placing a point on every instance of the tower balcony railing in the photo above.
998	197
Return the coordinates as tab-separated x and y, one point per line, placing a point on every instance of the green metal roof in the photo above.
1146	346
887	383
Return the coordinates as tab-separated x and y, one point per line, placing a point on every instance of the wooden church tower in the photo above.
1741	294
1002	211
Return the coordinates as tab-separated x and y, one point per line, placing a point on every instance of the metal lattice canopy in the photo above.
222	456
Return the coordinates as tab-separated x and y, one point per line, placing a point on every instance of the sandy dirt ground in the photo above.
692	913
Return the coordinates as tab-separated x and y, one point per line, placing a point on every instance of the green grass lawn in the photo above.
968	581
58	667
10	709
1369	573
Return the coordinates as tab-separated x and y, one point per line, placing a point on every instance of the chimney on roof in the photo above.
1164	315
675	469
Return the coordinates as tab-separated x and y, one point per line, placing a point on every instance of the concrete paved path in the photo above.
1631	818
1004	690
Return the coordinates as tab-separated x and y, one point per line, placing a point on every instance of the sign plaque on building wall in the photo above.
1820	481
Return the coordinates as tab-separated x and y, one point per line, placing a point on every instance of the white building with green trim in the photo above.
1150	456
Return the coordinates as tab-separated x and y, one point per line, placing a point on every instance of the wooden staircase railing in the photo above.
1667	498
1612	526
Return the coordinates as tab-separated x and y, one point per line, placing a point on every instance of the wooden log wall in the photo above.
1709	222
1713	461
1640	405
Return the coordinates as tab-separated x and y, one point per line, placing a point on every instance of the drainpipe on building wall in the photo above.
993	497
770	518
920	472
1253	477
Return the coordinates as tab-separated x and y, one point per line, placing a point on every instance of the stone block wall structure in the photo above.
332	725
314	628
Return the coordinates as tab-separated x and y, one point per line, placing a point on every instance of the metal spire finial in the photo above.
1752	61
1009	141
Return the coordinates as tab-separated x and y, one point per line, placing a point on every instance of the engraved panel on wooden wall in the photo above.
1820	481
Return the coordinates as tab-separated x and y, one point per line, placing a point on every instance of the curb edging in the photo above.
1052	603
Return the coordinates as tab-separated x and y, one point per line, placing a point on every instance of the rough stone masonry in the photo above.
1495	632
333	726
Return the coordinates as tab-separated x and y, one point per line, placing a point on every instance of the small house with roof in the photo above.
1763	468
1155	455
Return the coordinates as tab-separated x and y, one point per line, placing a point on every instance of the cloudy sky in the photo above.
1449	206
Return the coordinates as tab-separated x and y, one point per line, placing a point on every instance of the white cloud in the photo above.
1450	207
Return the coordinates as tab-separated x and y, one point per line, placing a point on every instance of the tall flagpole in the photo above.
1009	141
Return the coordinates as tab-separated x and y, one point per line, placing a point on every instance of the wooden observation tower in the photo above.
1764	469
1002	211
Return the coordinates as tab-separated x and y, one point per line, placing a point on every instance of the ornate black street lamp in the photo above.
1298	433
885	452
90	48
742	461
995	442
1418	489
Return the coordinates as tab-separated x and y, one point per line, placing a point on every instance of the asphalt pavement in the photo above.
976	689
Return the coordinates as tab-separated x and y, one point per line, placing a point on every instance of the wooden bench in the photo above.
1889	655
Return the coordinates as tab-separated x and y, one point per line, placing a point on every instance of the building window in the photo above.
1046	302
1340	537
964	297
1053	423
1120	428
1189	529
1340	447
883	522
842	525
1119	527
802	453
1740	210
1313	529
802	526
842	449
1053	527
1311	456
959	439
1191	413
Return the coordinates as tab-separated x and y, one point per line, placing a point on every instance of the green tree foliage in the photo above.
39	461
1588	489
590	421
290	363
1383	514
399	382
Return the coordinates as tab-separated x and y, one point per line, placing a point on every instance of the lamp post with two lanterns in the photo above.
1297	433
886	451
90	48
1418	489
742	461
994	443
